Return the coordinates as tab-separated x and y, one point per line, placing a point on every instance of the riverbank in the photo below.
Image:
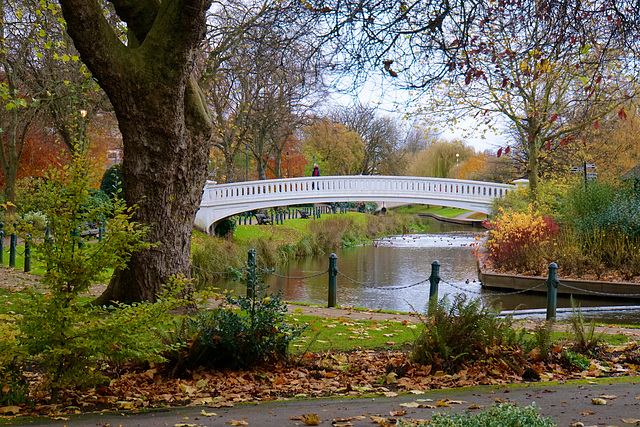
13	279
214	257
462	219
567	286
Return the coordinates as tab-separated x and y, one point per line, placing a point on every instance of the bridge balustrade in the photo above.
252	189
221	200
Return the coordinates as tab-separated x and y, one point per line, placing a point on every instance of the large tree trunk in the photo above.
532	169
164	172
164	124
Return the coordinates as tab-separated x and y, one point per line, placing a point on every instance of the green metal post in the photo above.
27	254
12	246
333	280
434	280
552	291
252	274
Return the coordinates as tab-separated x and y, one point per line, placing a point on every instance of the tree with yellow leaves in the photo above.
337	150
524	66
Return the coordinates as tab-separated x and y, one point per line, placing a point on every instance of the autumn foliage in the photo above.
518	240
41	153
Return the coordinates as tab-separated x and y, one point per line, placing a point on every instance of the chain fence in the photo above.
469	291
608	294
382	287
433	280
282	276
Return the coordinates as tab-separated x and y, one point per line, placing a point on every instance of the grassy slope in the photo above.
438	210
290	232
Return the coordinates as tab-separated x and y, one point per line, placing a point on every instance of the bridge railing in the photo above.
351	185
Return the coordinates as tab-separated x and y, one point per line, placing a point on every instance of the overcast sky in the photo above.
394	102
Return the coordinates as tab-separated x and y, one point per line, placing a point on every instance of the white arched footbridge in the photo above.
222	200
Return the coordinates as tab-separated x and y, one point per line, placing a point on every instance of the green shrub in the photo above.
27	198
605	221
69	338
572	360
583	202
501	415
226	227
466	330
585	339
254	332
112	181
306	247
14	388
38	219
551	194
543	339
74	341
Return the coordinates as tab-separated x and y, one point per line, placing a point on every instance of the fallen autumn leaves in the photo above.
311	375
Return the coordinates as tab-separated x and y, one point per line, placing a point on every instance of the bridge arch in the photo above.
223	200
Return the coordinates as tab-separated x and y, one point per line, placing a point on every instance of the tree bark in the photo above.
164	123
532	169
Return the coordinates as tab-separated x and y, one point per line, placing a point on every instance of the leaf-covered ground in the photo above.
314	375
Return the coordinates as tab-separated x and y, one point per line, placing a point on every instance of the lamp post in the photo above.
288	174
457	170
246	168
83	113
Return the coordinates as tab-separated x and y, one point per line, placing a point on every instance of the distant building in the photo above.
113	158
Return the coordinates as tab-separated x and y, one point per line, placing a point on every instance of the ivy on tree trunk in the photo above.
164	123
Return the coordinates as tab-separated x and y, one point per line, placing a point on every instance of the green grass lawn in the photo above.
342	334
438	210
37	267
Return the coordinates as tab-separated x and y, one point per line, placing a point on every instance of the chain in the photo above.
497	293
598	293
381	287
296	277
466	291
520	291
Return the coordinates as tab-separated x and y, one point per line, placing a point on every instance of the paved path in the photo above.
566	404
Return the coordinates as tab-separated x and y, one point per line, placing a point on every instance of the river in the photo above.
385	275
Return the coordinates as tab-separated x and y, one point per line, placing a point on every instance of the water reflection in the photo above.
392	274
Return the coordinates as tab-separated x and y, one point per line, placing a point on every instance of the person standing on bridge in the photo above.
316	172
